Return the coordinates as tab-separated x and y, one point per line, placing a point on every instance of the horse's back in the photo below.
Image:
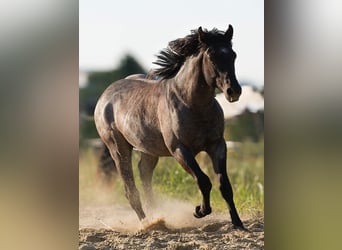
136	76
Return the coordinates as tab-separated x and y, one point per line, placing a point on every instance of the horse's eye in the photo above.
223	51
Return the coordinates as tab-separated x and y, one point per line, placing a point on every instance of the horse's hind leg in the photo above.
146	166
218	155
121	152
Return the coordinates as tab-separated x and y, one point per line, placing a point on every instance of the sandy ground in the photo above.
170	226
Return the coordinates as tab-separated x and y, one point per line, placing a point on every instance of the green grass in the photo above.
245	169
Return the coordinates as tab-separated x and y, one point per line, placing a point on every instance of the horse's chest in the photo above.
197	130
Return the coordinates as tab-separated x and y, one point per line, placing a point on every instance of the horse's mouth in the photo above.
233	98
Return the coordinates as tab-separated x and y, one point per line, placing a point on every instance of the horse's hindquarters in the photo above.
130	107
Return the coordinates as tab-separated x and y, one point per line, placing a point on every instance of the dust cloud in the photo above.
169	213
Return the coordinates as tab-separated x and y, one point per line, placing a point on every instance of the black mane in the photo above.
172	58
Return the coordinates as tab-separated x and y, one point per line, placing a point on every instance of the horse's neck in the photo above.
190	83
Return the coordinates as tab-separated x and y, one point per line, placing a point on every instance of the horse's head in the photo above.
218	63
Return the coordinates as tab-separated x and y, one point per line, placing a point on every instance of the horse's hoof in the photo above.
144	223
240	227
199	213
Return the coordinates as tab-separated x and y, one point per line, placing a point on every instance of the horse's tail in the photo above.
106	166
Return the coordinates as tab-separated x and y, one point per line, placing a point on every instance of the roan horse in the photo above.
176	115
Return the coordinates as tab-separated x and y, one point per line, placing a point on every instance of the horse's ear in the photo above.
201	34
229	33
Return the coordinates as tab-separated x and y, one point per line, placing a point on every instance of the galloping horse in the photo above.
175	115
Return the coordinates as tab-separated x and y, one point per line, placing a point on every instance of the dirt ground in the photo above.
117	227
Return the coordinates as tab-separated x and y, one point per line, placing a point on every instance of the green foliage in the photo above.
247	126
128	65
88	128
170	178
246	170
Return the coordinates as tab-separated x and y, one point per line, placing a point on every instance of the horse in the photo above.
172	112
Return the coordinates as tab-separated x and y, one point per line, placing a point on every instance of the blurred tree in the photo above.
98	81
247	125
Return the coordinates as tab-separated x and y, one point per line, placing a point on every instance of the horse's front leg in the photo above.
187	160
218	155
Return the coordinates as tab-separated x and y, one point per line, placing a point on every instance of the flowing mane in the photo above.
172	58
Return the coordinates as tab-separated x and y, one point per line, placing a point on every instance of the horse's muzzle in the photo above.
233	96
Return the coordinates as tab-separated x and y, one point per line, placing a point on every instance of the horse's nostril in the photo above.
230	92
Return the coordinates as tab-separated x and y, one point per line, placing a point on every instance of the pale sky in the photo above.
108	29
